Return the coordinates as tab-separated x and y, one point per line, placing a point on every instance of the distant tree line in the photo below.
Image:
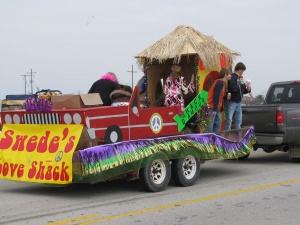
257	100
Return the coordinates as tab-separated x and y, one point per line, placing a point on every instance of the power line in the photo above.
25	80
31	80
132	71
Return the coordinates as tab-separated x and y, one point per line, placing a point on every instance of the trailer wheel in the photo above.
156	175
113	134
185	171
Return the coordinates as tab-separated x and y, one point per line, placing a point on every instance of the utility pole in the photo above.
25	80
31	80
132	71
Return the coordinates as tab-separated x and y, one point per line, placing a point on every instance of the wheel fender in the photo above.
188	151
159	155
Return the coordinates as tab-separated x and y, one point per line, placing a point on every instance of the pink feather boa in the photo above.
108	76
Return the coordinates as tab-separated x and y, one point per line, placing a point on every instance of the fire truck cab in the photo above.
107	124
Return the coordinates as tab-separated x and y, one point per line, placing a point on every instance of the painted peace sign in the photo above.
156	123
59	156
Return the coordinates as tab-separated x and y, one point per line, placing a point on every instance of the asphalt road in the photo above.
265	189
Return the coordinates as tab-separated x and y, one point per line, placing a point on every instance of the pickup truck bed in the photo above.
277	121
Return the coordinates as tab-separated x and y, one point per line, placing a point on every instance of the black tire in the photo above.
185	171
113	134
244	157
156	176
297	160
268	150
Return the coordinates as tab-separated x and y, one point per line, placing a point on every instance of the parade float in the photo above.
196	53
68	139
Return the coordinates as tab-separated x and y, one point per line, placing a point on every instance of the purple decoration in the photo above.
37	105
208	143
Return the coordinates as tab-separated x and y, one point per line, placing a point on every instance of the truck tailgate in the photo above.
262	117
292	125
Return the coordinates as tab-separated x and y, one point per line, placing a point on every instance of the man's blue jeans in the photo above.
215	122
233	113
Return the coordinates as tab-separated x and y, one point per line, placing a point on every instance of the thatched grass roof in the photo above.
185	40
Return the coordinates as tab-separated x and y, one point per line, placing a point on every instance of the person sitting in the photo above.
105	86
121	97
142	84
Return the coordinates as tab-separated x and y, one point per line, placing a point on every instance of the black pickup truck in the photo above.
277	120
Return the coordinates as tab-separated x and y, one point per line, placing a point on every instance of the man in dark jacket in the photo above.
237	88
105	86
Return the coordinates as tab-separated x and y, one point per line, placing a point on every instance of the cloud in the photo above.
70	45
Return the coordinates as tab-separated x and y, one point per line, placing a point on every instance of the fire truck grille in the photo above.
47	118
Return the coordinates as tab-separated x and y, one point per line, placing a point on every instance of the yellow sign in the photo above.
38	153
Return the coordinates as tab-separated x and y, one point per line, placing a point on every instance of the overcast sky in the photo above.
70	44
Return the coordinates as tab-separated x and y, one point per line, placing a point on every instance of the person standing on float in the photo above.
215	100
175	87
237	87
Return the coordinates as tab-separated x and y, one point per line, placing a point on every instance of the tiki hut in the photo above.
197	53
